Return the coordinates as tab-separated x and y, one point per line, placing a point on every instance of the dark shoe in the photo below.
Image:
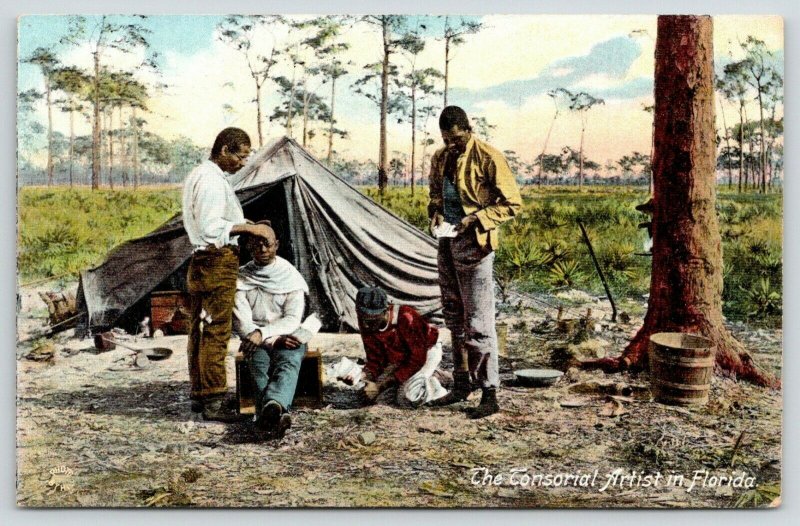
214	409
462	387
197	406
488	405
269	417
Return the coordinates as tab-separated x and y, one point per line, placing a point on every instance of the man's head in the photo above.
372	308
263	248
231	149
455	128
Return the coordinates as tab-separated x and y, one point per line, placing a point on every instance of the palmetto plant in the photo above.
565	273
763	299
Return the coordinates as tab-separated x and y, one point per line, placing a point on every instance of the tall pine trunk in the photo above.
382	148
686	280
413	133
49	130
330	127
96	124
71	143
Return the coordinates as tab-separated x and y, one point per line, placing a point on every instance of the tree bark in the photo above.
686	281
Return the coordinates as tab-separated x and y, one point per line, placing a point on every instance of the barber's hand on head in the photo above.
287	342
259	230
255	337
465	223
436	220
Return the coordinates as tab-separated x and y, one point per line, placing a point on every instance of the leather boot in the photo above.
462	387
488	405
215	409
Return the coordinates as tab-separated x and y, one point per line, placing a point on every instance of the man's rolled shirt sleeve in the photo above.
508	200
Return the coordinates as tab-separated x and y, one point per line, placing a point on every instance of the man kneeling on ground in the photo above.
269	305
402	349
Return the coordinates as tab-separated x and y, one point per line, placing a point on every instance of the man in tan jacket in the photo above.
473	189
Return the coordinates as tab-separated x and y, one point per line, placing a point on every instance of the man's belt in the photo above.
211	249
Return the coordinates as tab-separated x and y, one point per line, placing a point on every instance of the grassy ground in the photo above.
63	231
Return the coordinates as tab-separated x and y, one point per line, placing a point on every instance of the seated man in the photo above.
402	349
268	308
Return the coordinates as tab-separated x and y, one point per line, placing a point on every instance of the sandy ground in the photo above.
94	430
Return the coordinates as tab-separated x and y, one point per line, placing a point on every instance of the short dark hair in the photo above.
233	138
454	116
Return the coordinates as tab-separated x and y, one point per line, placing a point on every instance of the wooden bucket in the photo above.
681	366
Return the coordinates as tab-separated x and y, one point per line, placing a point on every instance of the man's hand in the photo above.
255	337
467	222
259	230
371	391
287	341
436	220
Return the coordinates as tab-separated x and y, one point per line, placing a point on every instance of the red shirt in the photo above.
404	344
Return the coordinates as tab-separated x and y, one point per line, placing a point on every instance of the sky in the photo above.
502	73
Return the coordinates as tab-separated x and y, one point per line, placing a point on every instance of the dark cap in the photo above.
371	301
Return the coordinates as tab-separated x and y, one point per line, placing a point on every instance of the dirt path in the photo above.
90	434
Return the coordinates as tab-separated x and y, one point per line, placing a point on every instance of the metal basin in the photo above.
157	353
537	377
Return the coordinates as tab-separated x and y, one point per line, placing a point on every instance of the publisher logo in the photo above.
60	479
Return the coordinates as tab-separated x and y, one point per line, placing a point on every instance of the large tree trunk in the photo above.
96	124
686	281
382	175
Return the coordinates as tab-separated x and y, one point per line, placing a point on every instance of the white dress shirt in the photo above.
210	207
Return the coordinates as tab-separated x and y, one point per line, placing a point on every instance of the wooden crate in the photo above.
309	384
169	312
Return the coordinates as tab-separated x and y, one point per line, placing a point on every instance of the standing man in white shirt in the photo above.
213	219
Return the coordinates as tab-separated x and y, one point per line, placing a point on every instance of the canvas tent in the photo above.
336	237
